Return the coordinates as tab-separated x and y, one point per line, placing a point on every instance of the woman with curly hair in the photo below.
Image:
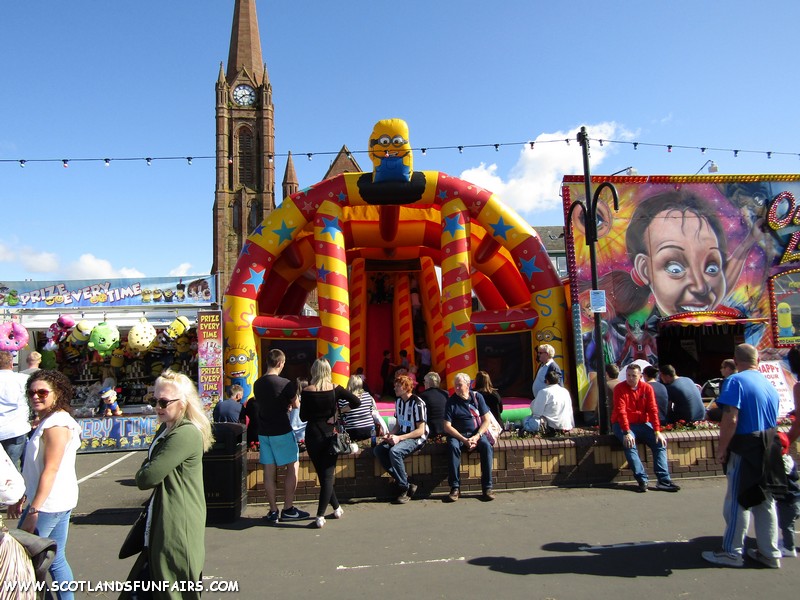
51	486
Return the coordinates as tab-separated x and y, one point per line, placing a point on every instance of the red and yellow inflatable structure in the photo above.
357	235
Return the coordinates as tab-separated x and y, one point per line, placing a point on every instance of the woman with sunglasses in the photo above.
318	408
51	486
176	513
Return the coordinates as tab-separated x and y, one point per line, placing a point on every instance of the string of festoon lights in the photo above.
423	150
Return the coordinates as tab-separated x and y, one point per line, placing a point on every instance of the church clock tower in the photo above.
245	186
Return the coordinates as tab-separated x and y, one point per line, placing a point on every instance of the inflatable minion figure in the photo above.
390	151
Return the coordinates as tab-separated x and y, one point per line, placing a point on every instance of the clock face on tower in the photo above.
244	95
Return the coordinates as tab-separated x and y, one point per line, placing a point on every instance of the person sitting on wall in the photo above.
466	432
408	435
110	404
713	410
230	409
635	417
435	400
551	410
685	402
659	389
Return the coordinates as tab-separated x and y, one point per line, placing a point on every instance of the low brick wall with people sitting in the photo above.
519	463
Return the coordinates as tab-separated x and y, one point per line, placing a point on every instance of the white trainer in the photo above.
320	522
337	514
723	559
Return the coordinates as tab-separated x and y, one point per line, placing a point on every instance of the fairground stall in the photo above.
690	267
112	338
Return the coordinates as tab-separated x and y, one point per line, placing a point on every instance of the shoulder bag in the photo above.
134	541
494	430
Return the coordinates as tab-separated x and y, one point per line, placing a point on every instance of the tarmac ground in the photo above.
550	543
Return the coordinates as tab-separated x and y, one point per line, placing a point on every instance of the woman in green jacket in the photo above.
175	534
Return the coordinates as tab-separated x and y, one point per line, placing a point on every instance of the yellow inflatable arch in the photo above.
330	236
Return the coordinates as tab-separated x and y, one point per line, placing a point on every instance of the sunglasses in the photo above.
41	394
162	402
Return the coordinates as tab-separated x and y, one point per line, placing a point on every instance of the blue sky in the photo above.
92	79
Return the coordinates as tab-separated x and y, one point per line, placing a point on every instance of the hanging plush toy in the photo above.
59	331
109	397
104	338
80	333
117	358
141	336
176	328
13	337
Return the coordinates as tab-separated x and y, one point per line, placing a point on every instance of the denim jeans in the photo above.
643	432
788	513
391	459
56	527
487	456
15	448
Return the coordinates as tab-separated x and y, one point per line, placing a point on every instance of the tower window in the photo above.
247	163
254	217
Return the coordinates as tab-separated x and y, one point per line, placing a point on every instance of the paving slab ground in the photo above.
550	543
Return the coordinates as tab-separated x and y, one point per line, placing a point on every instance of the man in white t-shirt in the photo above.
14	411
551	410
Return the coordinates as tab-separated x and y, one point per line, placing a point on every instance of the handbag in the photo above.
339	441
134	541
494	430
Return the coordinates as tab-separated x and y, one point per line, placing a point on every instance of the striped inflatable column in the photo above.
432	312
460	346
358	314
403	325
333	342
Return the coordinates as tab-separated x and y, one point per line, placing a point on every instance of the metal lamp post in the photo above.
590	220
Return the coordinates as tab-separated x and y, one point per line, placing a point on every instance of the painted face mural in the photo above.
683	265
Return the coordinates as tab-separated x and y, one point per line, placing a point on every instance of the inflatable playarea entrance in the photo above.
400	260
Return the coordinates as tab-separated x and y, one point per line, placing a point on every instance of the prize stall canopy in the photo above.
112	338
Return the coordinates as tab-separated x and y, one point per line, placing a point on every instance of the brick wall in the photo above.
518	464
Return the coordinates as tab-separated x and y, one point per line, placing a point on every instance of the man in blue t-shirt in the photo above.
465	430
749	405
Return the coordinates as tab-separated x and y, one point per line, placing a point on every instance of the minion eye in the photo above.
384	140
242	358
398	140
231	359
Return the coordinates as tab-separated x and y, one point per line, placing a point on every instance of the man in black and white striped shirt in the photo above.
407	436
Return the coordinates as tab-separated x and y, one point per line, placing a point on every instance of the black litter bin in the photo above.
225	474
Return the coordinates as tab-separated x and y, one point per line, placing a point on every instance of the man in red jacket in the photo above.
635	416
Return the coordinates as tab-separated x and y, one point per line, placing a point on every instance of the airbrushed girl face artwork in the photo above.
678	250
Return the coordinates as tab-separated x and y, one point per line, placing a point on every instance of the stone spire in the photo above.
290	183
245	50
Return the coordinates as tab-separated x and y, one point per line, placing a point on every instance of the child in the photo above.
788	504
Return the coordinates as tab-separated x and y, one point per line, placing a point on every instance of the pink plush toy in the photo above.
59	331
13	337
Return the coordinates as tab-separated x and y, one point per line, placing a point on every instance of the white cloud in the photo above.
38	262
88	266
7	254
181	270
534	182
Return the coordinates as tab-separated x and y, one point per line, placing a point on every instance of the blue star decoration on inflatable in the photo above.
334	354
500	228
284	232
529	267
256	279
331	227
258	229
322	273
455	336
452	224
